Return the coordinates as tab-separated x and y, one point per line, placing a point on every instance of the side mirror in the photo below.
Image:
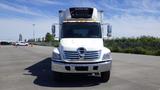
53	30
109	30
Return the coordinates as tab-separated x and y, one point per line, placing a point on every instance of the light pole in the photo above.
33	32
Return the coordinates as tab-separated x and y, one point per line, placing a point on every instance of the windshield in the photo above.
81	30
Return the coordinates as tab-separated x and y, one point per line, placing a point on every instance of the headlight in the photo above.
106	56
56	56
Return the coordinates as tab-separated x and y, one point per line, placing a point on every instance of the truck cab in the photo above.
81	49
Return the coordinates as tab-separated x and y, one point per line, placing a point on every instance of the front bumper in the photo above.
68	67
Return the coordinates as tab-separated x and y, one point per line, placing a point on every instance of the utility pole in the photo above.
33	32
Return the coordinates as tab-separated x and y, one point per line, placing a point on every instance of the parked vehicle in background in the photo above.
5	43
21	44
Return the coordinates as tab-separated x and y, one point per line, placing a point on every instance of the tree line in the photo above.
141	45
48	40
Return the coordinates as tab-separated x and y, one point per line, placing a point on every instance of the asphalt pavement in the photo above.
28	68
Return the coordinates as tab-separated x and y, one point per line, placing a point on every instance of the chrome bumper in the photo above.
67	67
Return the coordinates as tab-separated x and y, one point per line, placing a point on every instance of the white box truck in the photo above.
81	49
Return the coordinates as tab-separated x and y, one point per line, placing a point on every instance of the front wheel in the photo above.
105	76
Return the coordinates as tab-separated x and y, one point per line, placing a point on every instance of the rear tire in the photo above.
105	76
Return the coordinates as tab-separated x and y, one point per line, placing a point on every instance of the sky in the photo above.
129	18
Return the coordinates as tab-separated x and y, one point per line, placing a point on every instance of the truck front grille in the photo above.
87	55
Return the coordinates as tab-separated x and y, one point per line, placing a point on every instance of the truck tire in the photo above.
105	76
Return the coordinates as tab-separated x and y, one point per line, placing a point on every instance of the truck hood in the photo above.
90	44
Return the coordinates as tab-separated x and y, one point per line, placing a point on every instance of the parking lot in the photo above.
28	68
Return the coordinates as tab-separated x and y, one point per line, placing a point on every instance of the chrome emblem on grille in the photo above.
81	51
